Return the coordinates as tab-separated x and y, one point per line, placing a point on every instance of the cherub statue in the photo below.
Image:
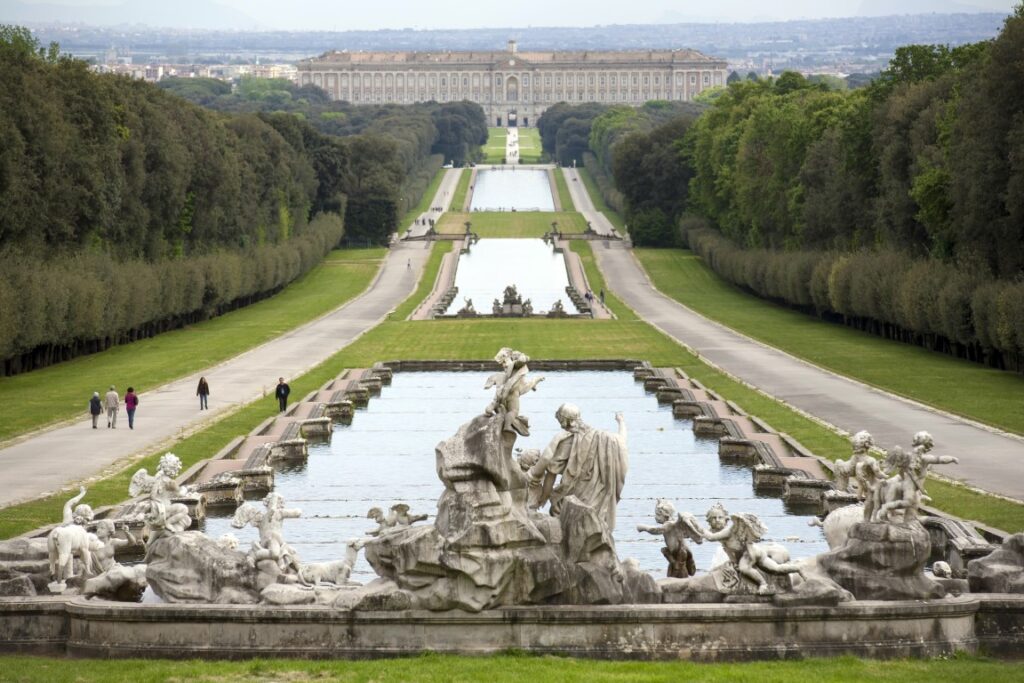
740	542
902	491
923	459
401	516
163	513
527	307
676	528
511	383
269	520
398	516
861	471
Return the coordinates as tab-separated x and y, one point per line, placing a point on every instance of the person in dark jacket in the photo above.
95	408
203	391
282	392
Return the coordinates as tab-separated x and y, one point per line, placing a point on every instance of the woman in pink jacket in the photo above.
131	402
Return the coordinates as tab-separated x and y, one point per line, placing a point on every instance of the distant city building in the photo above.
513	87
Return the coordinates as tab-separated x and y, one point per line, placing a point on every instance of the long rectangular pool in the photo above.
532	265
508	187
387	455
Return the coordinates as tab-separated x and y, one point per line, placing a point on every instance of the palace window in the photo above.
707	79
526	80
693	79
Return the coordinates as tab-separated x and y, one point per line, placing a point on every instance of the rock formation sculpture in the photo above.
676	528
486	548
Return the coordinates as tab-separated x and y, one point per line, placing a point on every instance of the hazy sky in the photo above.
368	14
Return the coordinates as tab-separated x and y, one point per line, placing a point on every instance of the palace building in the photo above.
513	87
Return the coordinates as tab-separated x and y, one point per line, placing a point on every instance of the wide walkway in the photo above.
49	461
988	460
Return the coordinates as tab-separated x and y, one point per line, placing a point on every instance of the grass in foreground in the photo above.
461	190
990	396
599	203
512	223
564	198
35	399
426	201
431	667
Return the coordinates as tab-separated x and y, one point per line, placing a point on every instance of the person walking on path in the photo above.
203	391
282	392
95	408
131	402
112	402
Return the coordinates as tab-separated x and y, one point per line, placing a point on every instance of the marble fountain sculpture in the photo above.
532	527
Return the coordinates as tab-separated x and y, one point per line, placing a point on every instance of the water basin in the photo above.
490	265
508	188
387	455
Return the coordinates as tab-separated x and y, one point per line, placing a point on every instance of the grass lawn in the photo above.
983	394
494	149
426	283
512	223
35	399
599	203
530	150
461	190
563	191
426	201
445	668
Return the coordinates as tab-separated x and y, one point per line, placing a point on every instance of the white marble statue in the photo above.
163	515
398	517
676	529
71	540
269	521
859	473
587	463
740	542
897	497
511	383
924	459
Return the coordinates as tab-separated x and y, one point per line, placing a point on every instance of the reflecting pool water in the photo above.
508	187
491	265
387	455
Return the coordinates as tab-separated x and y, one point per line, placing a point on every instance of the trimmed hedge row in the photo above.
59	308
885	292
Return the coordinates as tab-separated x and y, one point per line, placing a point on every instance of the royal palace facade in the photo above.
513	87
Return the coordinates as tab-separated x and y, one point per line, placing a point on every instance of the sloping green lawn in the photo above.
35	399
990	396
530	150
494	150
512	223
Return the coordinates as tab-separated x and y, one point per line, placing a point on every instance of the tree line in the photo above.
126	210
897	208
394	149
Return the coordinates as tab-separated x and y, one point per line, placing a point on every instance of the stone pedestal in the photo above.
883	561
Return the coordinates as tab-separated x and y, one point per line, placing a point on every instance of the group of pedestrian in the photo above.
111	405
